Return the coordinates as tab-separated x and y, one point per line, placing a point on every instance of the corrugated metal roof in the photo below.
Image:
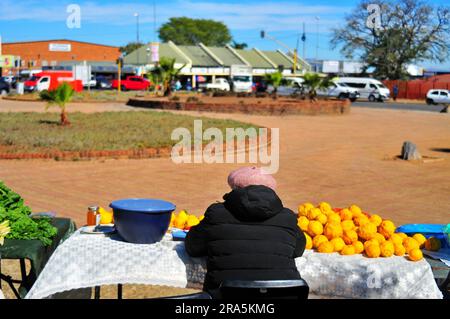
278	58
256	60
226	56
198	56
165	50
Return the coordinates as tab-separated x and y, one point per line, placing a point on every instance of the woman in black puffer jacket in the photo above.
250	236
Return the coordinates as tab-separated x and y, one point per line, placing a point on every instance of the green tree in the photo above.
187	31
405	32
239	46
274	79
314	82
130	47
166	73
60	96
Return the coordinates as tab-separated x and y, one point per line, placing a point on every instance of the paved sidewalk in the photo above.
340	159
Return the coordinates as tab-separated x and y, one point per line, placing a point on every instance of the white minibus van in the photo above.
368	88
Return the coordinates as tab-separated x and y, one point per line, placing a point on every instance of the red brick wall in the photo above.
39	52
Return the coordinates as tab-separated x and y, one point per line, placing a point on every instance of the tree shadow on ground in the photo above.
49	122
441	150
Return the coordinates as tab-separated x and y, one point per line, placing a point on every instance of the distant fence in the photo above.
418	89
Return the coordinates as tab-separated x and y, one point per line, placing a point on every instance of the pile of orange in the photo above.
184	221
351	231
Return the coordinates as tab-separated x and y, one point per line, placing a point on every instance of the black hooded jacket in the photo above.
250	236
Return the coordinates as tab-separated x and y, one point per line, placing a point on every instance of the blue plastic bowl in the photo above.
142	221
428	230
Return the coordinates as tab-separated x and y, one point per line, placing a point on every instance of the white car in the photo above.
288	87
340	91
219	84
368	88
438	97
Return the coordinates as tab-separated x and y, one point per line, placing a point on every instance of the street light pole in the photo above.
317	44
137	35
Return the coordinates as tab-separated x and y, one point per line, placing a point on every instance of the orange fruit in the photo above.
325	207
192	221
309	243
334	218
315	228
399	250
387	228
359	247
322	218
304	209
338	244
373	251
355	210
371	242
348	225
333	230
375	219
410	243
346	214
380	238
387	249
319	239
326	248
172	220
348	250
415	254
433	244
313	213
396	238
180	220
367	231
350	237
361	220
420	239
303	223
402	235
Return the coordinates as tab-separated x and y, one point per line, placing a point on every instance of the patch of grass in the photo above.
37	132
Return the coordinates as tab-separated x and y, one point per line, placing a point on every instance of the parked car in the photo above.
220	84
368	88
137	83
11	80
435	97
288	87
92	83
260	86
340	91
4	87
103	83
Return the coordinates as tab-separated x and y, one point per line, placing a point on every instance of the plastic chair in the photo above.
264	289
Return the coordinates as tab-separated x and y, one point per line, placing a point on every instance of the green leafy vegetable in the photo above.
13	209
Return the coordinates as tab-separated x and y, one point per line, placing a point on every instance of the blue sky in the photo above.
112	22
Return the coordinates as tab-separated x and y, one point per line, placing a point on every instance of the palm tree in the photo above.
314	82
60	96
274	79
169	74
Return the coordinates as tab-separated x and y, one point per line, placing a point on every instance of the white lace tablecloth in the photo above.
84	261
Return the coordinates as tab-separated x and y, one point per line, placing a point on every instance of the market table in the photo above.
36	252
85	261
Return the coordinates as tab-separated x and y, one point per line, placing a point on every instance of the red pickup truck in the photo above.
132	83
